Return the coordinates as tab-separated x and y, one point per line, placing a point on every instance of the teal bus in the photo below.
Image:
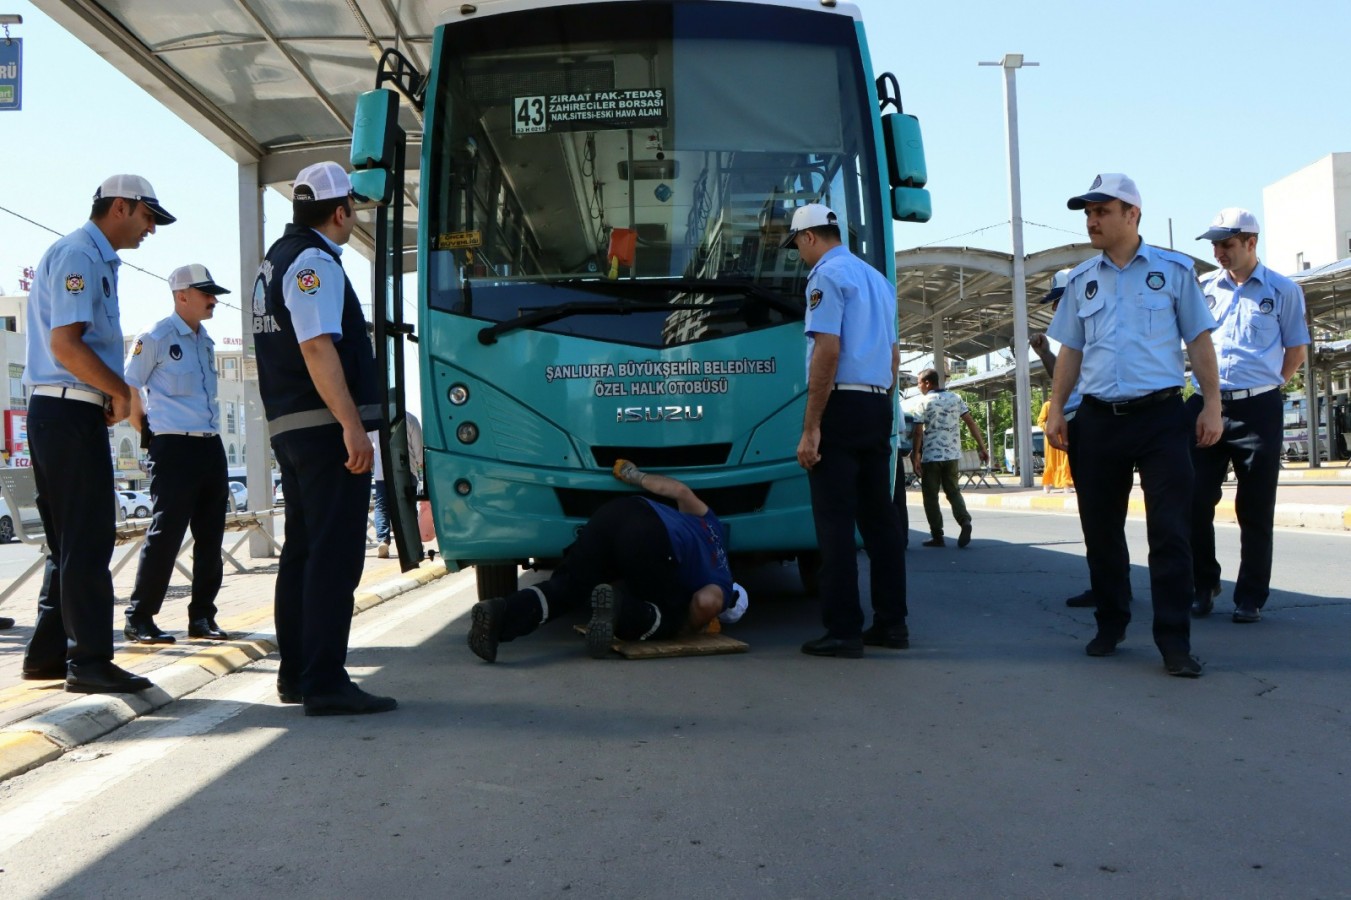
603	190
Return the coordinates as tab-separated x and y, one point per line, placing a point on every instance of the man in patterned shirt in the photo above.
938	448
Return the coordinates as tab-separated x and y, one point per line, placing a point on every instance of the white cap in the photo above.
738	609
1230	221
1108	186
1059	282
813	215
322	181
134	187
194	276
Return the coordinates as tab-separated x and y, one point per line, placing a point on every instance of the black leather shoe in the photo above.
897	637
935	541
206	628
1104	643
6	622
1246	615
1204	602
964	537
104	678
288	692
44	673
600	631
350	701
833	646
145	631
1082	601
485	627
1182	665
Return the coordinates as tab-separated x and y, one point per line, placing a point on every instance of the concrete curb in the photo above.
35	741
1309	516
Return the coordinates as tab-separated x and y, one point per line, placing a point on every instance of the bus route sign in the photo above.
597	111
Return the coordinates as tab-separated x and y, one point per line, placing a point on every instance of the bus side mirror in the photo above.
905	151
375	185
911	204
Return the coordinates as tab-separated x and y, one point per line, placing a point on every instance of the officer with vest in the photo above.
174	364
1121	323
74	376
852	360
1261	341
320	391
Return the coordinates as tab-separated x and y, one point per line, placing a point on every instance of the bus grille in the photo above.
665	457
728	501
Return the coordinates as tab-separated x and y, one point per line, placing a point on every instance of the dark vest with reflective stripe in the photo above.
283	379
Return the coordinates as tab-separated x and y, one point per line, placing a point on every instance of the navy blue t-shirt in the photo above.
699	546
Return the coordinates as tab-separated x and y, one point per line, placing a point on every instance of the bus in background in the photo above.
1038	451
604	191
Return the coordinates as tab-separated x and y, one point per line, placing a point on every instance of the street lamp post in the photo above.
1011	63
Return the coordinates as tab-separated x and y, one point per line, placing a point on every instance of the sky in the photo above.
1202	104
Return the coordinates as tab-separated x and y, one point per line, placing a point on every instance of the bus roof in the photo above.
497	7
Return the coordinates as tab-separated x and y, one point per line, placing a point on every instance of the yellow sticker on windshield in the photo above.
459	240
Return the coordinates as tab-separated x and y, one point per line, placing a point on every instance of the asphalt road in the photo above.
992	759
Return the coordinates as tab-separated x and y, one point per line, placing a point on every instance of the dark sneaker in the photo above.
350	701
897	637
1204	601
485	627
1104	643
1182	665
965	537
1082	601
935	541
826	645
1246	615
600	631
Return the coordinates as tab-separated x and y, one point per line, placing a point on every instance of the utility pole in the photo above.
1022	394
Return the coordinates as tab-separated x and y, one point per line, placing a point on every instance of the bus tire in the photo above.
495	579
809	570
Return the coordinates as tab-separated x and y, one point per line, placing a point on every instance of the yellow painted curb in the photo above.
1052	503
221	660
1346	518
24	750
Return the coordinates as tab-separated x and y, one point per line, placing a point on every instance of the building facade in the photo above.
1307	216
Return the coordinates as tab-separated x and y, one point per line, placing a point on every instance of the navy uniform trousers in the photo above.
68	440
1252	440
852	485
1157	440
624	543
322	557
188	486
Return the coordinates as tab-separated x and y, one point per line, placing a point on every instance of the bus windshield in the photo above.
654	154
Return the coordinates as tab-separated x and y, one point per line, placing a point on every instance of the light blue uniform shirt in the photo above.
76	282
849	298
313	290
1131	322
1258	320
178	370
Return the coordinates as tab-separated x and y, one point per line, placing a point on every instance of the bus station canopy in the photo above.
270	82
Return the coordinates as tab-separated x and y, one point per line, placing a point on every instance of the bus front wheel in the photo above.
809	570
495	579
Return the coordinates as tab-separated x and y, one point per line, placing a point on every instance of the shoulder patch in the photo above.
107	288
307	280
175	352
814	300
1091	289
136	351
74	283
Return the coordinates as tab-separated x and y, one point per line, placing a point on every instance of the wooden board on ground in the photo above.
695	645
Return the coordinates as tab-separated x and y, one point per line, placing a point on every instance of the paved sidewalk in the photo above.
39	721
1306	498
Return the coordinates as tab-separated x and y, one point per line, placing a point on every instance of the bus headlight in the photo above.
458	394
467	433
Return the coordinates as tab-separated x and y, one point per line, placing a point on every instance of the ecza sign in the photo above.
11	73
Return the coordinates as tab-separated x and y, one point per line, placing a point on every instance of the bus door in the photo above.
381	178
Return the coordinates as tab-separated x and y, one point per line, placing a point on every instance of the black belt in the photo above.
1126	407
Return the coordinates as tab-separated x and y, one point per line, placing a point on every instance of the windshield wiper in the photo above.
624	306
490	334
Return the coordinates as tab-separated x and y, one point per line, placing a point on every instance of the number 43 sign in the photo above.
530	115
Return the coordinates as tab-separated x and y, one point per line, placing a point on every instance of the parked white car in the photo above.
6	523
124	506
241	495
138	504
